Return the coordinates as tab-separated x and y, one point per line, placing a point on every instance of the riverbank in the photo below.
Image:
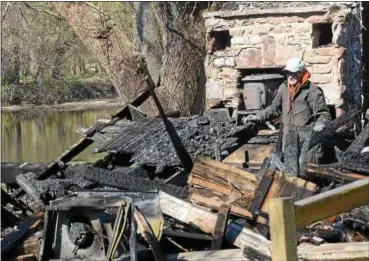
81	89
67	106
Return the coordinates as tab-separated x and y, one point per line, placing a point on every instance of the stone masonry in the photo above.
267	38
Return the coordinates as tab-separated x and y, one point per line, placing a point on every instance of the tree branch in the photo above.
5	11
55	15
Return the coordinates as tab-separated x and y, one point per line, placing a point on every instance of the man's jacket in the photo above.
309	107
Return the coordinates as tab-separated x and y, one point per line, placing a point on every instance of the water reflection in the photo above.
40	136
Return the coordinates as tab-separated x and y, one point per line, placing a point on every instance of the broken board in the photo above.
274	184
257	154
214	183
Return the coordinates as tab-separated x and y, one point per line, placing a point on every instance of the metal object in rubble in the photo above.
80	226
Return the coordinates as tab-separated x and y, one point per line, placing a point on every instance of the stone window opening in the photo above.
322	34
218	40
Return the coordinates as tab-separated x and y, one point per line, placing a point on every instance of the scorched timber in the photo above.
326	136
332	174
353	161
133	181
215	183
360	142
83	143
149	143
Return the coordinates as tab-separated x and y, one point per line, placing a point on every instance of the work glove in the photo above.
251	118
319	127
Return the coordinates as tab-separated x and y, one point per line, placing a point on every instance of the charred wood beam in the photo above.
82	144
6	198
279	144
360	142
331	173
28	187
262	191
181	151
331	127
262	140
131	181
263	168
353	161
136	114
8	218
9	170
220	227
17	235
172	233
97	137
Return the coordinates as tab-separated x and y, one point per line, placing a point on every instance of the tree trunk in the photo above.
148	39
183	37
116	53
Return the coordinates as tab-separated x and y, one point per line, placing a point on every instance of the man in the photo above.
300	103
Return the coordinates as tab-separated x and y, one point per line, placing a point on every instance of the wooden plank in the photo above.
331	173
27	186
253	255
220	227
149	236
266	132
214	201
333	202
227	168
257	153
325	252
205	221
358	251
272	193
223	175
223	185
286	186
261	192
28	257
283	229
208	184
219	255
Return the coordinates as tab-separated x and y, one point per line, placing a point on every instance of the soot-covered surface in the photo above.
149	143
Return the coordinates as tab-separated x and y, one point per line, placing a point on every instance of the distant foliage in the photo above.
38	43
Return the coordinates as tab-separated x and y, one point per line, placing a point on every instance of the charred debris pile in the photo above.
166	191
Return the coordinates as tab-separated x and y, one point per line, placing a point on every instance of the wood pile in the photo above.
218	211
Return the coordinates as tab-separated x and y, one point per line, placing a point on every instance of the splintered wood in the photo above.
214	183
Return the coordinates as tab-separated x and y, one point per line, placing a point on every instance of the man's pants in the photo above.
314	155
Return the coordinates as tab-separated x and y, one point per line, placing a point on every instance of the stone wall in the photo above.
268	38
